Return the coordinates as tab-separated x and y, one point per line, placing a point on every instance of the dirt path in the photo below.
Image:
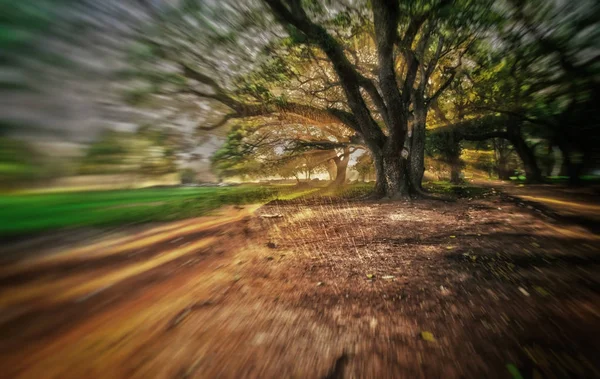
332	290
579	205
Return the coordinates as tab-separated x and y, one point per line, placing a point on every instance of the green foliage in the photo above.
354	191
479	160
459	190
234	156
364	166
147	152
256	150
499	64
25	25
108	154
188	176
442	143
18	161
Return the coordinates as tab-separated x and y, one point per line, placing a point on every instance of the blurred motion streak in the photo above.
299	188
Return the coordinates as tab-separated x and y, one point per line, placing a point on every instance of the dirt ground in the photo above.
483	287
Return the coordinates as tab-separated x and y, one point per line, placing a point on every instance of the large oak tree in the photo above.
382	64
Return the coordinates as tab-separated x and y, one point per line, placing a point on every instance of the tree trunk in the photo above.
502	169
391	175
557	162
341	165
395	175
340	177
532	171
380	186
416	160
572	168
331	169
525	153
455	173
454	159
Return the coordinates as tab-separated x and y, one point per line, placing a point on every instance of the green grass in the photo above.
355	190
460	190
26	214
587	179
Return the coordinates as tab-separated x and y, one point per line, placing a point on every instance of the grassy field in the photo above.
26	214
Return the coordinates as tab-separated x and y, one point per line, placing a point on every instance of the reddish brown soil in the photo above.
421	289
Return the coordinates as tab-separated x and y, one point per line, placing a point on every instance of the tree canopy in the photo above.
376	69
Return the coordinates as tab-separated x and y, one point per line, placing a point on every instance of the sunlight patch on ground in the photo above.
138	241
574	232
569	204
70	287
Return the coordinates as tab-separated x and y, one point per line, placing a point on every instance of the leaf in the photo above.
370	276
387	277
541	291
449	248
514	371
427	336
452	236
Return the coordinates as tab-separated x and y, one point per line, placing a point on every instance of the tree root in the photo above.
418	193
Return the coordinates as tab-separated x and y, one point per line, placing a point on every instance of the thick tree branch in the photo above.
405	46
242	109
374	94
515	114
442	88
450	79
386	14
323	145
222	122
296	17
416	23
434	60
192	73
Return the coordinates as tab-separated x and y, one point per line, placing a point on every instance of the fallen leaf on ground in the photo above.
428	336
514	371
